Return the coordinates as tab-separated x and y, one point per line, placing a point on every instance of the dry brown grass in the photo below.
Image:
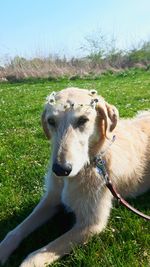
94	64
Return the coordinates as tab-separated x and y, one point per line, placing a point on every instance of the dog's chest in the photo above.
82	193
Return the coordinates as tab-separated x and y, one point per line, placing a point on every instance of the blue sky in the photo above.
39	27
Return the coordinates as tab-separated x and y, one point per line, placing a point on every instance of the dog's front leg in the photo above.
59	247
40	214
87	225
43	211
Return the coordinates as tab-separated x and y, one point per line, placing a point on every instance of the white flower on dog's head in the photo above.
51	98
93	92
94	102
66	106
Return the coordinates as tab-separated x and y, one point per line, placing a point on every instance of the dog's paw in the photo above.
39	258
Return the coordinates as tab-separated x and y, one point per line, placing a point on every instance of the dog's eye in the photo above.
81	121
51	122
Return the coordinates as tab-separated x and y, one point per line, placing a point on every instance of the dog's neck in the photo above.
101	148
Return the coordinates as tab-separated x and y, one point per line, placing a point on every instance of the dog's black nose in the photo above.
62	170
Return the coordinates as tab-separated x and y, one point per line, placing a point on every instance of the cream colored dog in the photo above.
81	125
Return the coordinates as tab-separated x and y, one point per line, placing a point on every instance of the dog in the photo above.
81	125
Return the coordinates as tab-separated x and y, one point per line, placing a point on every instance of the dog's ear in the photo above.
107	117
113	115
44	124
102	118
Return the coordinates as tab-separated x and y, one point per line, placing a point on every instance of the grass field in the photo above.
24	154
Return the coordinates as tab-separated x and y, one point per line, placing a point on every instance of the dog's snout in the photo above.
62	170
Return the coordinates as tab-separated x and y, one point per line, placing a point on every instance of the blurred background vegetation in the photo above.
102	55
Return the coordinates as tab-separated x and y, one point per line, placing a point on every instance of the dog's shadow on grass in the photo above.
141	203
61	223
58	225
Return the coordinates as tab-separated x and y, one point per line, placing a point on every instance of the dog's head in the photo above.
78	121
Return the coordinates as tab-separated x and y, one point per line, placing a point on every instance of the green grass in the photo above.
24	154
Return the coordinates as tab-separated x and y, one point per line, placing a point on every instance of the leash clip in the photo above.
101	169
